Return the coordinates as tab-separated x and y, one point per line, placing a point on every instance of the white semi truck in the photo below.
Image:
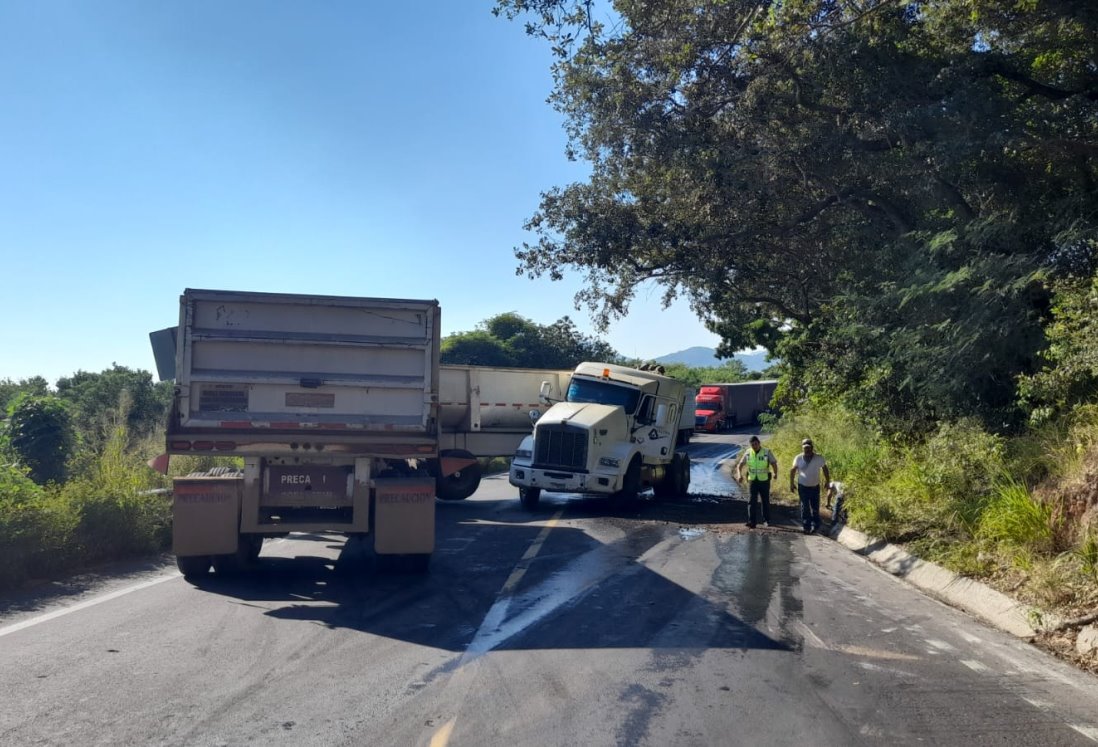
615	433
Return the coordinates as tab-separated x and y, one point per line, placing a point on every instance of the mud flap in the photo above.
404	516
206	515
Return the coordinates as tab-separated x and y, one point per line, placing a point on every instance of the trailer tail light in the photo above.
202	445
180	445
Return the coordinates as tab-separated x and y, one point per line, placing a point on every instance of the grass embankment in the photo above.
106	512
1010	511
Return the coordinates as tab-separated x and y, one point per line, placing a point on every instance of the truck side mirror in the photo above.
534	415
543	394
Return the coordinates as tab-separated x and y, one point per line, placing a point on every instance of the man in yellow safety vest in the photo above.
760	464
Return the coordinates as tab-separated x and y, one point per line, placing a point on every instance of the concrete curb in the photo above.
993	606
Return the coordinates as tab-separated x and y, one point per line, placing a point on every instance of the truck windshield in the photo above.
603	393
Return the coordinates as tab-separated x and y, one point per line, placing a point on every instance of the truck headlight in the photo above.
523	454
609	462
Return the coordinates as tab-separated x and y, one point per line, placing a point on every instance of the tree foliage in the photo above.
512	340
39	433
880	193
1071	373
9	390
97	398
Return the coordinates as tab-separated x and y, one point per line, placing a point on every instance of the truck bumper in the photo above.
559	481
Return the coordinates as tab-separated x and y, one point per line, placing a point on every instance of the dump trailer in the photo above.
332	402
615	434
486	412
748	399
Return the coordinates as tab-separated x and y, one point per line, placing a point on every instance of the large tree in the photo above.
879	192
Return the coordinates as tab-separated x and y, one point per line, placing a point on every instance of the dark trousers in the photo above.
810	505
758	490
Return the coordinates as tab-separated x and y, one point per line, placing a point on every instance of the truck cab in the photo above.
615	433
710	414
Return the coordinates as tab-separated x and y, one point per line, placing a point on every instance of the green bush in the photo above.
107	512
40	434
36	528
114	524
1012	517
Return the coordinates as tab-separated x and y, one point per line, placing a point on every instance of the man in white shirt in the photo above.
804	480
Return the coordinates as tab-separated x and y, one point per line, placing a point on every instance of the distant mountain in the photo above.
701	357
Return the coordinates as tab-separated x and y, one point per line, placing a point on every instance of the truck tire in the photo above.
247	550
676	479
529	498
193	566
630	485
684	473
460	485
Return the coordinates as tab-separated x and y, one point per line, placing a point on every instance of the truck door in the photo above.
657	424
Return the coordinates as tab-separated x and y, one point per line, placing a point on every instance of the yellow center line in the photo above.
442	737
529	555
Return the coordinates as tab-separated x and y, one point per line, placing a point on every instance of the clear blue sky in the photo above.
338	147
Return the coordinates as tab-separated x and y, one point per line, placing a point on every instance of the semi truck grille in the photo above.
561	446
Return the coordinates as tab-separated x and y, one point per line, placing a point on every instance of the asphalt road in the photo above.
661	624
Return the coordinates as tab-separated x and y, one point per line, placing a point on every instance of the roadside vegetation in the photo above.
75	489
1002	509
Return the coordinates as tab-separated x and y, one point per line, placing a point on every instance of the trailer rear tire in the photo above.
460	485
193	566
529	498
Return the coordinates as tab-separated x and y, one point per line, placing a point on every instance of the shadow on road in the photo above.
576	593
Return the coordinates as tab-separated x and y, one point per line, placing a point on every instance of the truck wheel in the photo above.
193	566
630	485
683	474
668	487
460	485
247	550
529	498
676	479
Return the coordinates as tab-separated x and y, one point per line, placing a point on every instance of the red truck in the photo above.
713	412
724	406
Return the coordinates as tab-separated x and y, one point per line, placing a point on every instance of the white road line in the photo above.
16	627
1089	732
974	665
487	635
